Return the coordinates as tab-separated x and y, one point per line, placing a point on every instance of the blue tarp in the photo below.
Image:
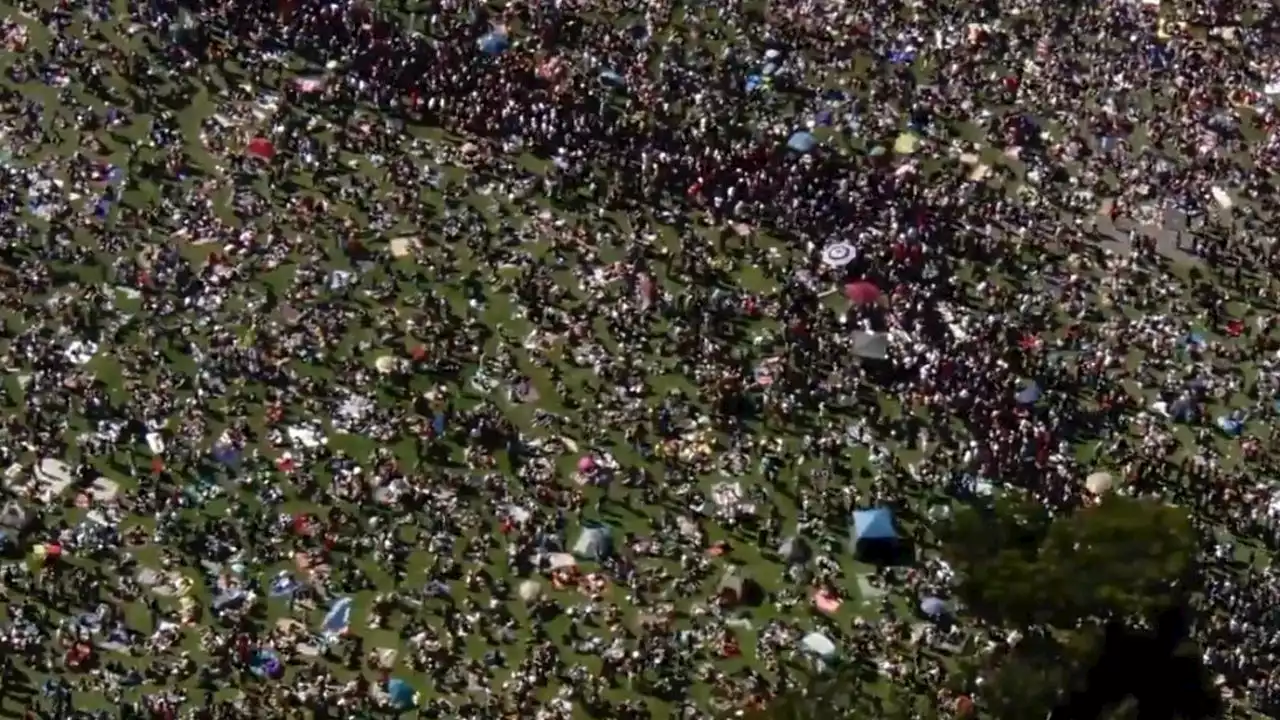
495	43
1030	394
873	524
338	619
802	142
902	57
283	585
1232	425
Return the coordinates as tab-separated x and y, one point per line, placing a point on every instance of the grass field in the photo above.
458	279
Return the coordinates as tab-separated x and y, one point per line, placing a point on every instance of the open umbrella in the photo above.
1030	394
933	607
838	254
802	142
495	43
862	292
1099	483
400	694
261	148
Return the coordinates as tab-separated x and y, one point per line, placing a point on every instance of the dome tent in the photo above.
872	535
595	542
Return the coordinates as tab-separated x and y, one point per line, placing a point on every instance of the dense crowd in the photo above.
672	192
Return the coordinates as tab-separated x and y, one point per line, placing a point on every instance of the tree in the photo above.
1091	592
1122	558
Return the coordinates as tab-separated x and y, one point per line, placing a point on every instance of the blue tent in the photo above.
873	524
1030	394
400	694
802	142
495	43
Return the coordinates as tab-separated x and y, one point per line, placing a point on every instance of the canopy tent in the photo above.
595	542
873	524
870	346
873	537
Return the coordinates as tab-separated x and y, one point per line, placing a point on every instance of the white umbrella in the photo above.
819	645
530	590
1099	483
838	254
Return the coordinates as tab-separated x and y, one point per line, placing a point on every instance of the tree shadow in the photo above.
1153	669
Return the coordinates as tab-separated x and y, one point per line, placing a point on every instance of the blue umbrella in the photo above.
1030	394
802	142
495	43
933	607
226	455
754	82
400	693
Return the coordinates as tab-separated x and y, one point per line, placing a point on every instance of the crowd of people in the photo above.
476	284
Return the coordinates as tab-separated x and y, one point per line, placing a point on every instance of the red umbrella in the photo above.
262	148
862	292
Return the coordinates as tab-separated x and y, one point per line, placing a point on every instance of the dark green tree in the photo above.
1122	558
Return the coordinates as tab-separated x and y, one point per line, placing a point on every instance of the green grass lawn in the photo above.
439	271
